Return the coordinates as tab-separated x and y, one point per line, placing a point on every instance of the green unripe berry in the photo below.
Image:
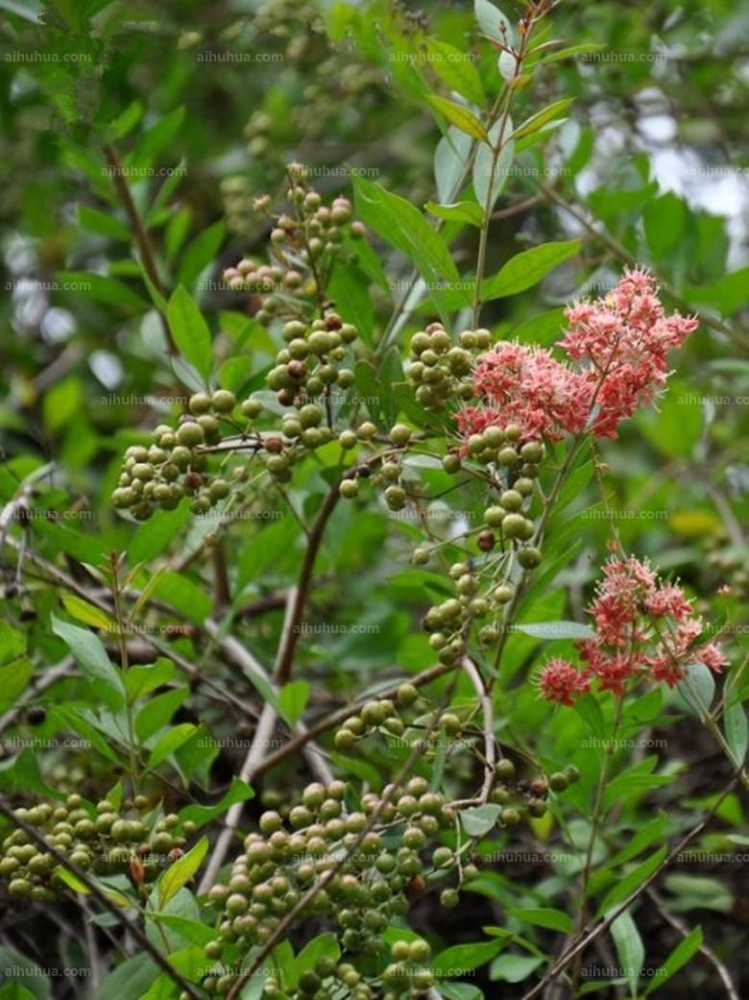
419	952
494	516
572	773
367	430
347	439
504	769
251	408
529	557
400	435
451	464
507	456
345	740
449	898
349	488
395	497
406	695
190	435
199	403
513	525
532	451
523	486
510	817
511	500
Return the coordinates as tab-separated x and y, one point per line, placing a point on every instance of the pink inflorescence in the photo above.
645	631
616	351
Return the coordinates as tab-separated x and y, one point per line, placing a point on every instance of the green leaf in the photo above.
184	595
323	946
652	832
462	211
698	688
698	892
14	679
240	791
14	991
130	980
405	228
88	613
292	701
629	948
157	138
544	916
29	10
100	288
171	740
526	269
515	968
451	158
180	873
155	535
200	253
589	710
91	657
682	953
190	331
627	884
12	643
479	820
113	895
467	956
17	970
491	167
493	22
460	117
103	223
457	70
556	630
736	730
541	118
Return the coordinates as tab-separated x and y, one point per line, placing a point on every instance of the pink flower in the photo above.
620	343
526	386
644	630
618	347
560	681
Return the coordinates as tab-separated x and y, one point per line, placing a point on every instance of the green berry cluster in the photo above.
439	367
519	797
406	976
103	839
385	716
309	366
305	245
175	464
374	871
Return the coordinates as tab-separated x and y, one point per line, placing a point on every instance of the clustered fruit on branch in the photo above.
106	840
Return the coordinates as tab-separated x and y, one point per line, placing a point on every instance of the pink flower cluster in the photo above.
618	347
645	631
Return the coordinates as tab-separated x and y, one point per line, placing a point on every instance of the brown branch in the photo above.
142	239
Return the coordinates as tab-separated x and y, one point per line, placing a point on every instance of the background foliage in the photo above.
134	139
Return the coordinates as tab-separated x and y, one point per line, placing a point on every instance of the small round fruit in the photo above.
349	488
190	434
529	557
400	435
199	403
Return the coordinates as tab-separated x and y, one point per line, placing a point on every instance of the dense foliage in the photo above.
373	499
